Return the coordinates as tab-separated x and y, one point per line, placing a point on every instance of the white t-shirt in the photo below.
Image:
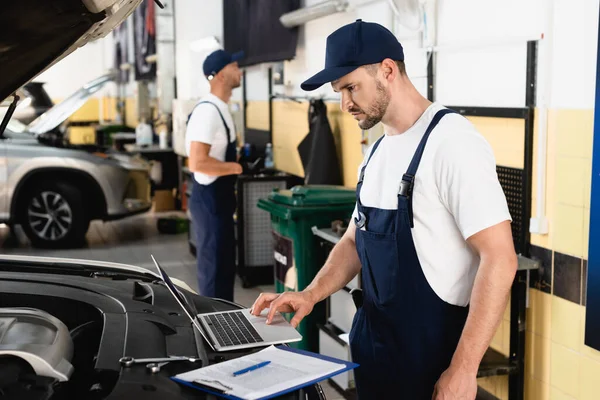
205	125
456	194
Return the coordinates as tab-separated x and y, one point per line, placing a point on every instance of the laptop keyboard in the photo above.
232	328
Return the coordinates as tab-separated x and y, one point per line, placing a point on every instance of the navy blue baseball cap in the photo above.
219	59
352	46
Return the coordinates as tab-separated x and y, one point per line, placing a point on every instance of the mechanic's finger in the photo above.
275	306
298	316
263	301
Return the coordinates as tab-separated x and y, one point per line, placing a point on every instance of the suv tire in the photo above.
53	215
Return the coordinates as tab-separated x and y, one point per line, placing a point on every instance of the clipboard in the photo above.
223	393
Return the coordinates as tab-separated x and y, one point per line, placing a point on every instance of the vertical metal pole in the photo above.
430	76
516	382
244	101
270	105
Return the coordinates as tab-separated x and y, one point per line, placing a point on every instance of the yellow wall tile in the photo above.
587	185
572	174
506	136
506	316
89	111
536	389
352	156
565	370
537	357
589	379
290	126
502	388
488	384
542	240
575	129
505	338
498	339
539	313
495	385
566	323
568	230
556	394
131	116
257	115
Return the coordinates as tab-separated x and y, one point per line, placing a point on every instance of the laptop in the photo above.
234	329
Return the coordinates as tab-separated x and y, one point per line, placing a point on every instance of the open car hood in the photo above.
63	110
35	34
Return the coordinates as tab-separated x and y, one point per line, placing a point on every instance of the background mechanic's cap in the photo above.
353	45
219	59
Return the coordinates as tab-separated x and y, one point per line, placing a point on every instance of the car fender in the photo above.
19	177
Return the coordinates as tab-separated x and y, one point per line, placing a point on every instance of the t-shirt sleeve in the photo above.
465	170
203	124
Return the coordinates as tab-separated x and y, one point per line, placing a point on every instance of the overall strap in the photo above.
408	179
361	220
220	114
362	171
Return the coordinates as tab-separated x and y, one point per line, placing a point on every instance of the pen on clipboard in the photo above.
252	368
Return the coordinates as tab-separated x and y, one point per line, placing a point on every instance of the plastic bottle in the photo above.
143	133
269	156
163	139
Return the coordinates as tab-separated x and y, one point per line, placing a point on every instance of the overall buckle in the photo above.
406	185
361	221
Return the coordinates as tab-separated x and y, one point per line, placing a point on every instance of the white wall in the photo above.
80	67
481	57
310	57
196	20
491	73
574	54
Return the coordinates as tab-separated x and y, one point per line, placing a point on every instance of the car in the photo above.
65	324
53	189
84	316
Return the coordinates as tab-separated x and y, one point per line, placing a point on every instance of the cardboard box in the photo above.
164	200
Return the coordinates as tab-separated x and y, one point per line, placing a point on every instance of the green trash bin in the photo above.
293	214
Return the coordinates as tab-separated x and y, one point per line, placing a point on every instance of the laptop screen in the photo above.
178	297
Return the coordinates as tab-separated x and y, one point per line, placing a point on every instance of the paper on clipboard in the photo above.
287	370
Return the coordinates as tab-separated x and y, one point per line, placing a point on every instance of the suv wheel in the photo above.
53	216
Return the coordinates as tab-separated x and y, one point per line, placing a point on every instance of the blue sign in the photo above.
592	321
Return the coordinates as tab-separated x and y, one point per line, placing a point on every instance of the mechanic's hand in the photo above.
299	303
456	384
237	169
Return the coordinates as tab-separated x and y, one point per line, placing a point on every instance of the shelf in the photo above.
494	364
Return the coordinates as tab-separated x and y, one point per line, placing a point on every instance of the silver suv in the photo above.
53	189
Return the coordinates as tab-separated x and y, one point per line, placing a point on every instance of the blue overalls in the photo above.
403	335
212	208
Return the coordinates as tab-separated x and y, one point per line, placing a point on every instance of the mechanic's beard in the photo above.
376	110
235	83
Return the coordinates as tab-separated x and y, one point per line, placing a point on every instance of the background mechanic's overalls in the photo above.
403	336
212	208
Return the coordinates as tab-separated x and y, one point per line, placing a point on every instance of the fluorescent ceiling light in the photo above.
306	14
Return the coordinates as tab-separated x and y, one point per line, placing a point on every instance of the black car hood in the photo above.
35	34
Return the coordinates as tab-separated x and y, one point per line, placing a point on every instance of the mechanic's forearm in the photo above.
213	167
340	268
488	302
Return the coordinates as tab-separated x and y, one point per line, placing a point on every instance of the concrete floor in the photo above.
132	241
